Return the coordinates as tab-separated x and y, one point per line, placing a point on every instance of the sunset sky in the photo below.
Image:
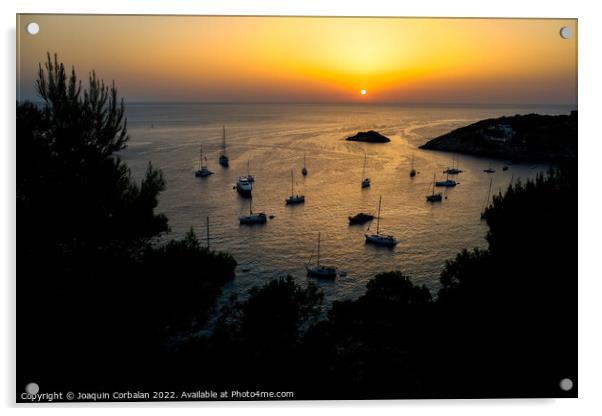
294	59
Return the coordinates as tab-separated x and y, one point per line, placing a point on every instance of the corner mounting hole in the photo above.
33	28
566	384
565	32
32	388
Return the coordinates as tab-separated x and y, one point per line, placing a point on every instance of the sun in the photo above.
363	92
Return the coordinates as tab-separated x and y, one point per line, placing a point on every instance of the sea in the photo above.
269	141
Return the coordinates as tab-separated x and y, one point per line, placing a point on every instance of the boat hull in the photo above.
446	184
452	171
386	241
434	198
294	200
360	219
253	219
244	187
203	173
322	272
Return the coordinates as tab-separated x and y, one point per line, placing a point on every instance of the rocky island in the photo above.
531	137
370	136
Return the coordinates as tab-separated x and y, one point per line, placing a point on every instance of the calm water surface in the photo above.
272	139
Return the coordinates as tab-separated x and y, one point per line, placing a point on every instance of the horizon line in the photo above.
427	103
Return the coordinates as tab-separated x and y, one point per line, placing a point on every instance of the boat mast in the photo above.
318	249
224	139
304	165
208	247
201	157
364	169
251	206
434	179
378	217
292	182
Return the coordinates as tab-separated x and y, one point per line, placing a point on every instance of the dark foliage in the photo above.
95	297
256	342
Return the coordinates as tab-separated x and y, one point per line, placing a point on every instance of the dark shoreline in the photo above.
519	138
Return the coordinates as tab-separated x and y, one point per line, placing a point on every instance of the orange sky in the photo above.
293	59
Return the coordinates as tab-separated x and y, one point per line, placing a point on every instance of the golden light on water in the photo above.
204	58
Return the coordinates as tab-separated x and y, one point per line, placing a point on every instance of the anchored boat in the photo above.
379	239
360	218
203	171
253	218
304	170
447	183
223	159
365	181
433	197
455	169
320	271
294	198
244	186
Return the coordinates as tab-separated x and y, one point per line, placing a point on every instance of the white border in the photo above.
590	149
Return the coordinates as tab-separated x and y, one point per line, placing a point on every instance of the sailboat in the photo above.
447	183
223	159
378	239
434	197
486	203
326	272
413	171
202	172
304	170
455	169
294	199
365	181
259	218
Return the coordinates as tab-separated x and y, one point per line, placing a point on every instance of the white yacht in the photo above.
244	186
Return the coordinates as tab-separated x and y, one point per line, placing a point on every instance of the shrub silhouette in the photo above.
93	288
